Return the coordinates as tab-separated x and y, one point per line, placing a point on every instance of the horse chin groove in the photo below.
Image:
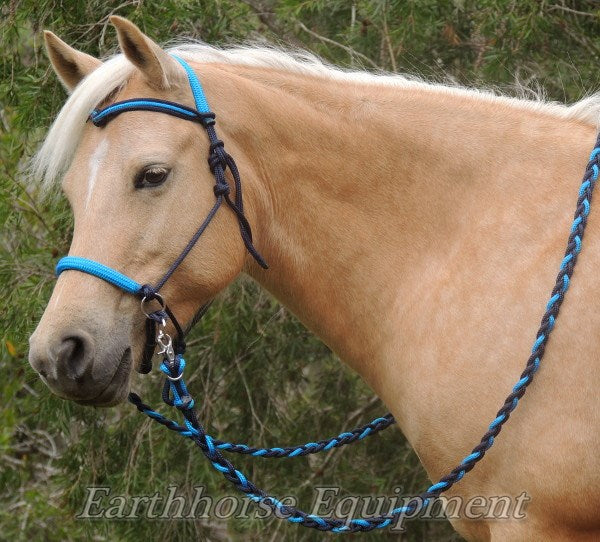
117	389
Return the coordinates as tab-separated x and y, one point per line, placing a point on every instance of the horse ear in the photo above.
160	69
70	65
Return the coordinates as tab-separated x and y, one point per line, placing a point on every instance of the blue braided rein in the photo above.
324	445
177	395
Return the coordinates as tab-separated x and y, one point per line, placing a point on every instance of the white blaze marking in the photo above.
57	292
94	168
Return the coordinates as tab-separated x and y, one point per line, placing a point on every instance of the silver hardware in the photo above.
166	349
158	298
162	339
175	379
166	344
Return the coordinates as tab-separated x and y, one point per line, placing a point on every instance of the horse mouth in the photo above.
117	388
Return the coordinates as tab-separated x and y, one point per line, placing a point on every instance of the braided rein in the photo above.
175	393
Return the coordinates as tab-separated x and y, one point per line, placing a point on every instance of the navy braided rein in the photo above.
175	392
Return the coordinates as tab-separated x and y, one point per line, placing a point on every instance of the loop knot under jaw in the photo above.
160	317
148	292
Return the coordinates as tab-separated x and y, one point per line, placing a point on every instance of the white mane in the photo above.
56	153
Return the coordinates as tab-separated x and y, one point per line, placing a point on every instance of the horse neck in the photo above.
357	191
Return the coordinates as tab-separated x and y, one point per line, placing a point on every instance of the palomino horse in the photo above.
415	228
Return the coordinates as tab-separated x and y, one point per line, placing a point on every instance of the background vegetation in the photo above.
262	377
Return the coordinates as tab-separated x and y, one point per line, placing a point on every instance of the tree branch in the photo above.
558	7
349	50
266	15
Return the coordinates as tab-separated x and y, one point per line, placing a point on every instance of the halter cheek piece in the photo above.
175	392
219	161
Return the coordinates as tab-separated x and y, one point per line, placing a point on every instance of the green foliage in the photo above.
259	375
550	45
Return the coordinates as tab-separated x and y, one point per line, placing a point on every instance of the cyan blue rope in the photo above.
182	400
98	270
197	90
101	116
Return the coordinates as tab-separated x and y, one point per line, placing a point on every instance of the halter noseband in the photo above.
219	161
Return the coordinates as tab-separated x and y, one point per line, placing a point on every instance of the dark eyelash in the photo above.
141	180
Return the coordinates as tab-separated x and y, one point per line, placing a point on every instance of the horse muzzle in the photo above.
73	366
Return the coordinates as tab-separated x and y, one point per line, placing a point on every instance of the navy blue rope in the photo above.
190	244
178	396
100	117
219	161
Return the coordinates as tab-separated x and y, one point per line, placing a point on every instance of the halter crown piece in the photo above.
175	392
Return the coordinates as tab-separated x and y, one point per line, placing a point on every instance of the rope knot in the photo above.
207	119
185	402
217	155
221	189
148	292
214	160
160	316
217	144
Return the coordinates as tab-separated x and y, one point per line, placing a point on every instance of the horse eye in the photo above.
151	176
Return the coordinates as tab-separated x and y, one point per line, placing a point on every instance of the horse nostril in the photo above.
73	355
